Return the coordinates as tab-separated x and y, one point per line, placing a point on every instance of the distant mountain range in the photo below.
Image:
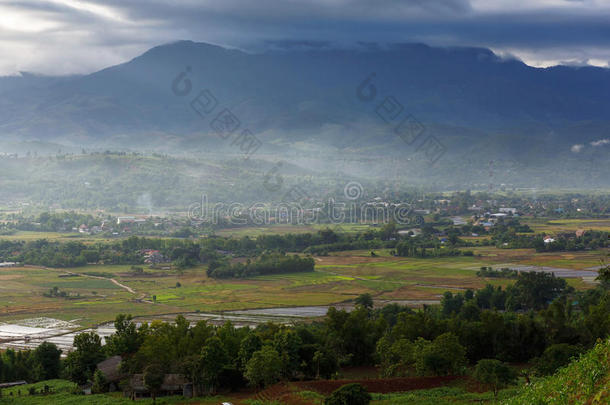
472	102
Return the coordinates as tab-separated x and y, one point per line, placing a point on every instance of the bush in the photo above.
495	374
349	394
443	356
99	383
555	357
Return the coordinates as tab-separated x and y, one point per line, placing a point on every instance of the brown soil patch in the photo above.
10	276
380	385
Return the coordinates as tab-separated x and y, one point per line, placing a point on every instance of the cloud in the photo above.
577	148
79	36
601	142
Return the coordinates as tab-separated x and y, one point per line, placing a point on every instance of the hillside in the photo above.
496	120
584	381
303	93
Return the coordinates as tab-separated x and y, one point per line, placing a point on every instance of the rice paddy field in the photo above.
97	293
553	226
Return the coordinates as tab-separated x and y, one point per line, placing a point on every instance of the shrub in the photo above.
444	356
494	374
555	357
349	394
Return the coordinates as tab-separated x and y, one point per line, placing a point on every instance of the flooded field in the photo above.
29	333
558	272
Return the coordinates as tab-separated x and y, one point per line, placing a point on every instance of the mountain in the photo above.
316	106
305	90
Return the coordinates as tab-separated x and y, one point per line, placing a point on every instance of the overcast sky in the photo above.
73	36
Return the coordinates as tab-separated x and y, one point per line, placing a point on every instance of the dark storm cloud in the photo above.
62	36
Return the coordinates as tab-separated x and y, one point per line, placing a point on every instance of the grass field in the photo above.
61	392
29	235
338	278
553	226
282	229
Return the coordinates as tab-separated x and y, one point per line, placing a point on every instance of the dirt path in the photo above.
112	280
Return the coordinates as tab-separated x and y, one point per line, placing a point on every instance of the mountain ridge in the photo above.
466	96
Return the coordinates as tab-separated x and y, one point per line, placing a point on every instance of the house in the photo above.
153	256
111	369
125	220
548	239
498	215
173	384
580	233
512	211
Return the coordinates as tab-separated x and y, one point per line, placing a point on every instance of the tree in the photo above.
451	304
365	300
395	358
250	344
349	394
325	362
604	276
213	359
388	231
443	356
47	355
153	379
126	339
534	290
81	363
494	374
264	368
287	343
554	357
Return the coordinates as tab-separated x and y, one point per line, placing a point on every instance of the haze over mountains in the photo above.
478	106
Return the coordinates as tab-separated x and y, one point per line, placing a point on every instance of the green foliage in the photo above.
153	378
365	300
213	359
494	373
100	385
604	276
264	368
504	272
88	352
442	396
585	380
555	357
349	394
444	356
267	264
535	290
47	357
126	340
395	358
